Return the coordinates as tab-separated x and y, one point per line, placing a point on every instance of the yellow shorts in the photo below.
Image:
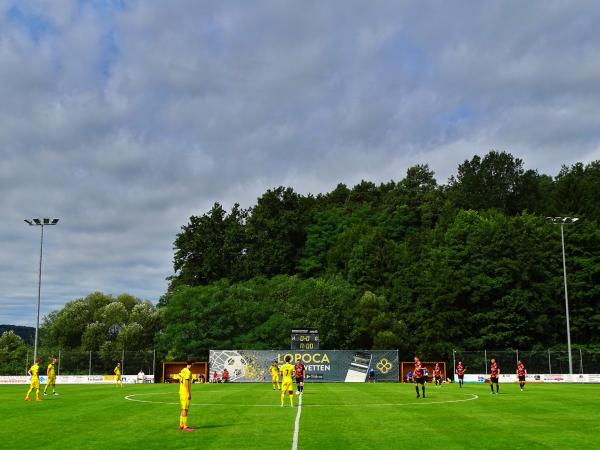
287	386
51	381
35	383
184	402
275	379
117	377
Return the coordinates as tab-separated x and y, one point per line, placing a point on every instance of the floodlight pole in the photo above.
562	239
562	221
41	223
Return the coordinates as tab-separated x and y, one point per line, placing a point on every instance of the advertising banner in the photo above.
78	379
13	379
252	366
535	378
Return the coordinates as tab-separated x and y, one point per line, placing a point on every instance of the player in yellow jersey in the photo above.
35	380
51	374
287	371
275	375
118	377
185	394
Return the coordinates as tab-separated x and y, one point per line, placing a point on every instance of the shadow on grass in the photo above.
213	425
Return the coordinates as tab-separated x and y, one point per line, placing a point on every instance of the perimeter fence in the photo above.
90	362
537	361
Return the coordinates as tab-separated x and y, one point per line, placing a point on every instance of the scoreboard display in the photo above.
305	339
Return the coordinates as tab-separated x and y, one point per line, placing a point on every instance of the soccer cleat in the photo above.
56	393
187	429
26	399
38	399
45	393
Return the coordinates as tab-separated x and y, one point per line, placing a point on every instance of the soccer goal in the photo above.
408	367
171	370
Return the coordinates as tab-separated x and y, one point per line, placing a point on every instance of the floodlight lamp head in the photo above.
37	221
46	221
28	221
54	222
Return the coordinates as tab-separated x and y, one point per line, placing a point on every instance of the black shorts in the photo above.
299	380
438	378
420	380
521	377
493	379
460	377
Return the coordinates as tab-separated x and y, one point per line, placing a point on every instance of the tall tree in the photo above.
496	181
210	247
276	232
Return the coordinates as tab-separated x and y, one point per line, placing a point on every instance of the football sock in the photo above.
492	387
423	389
282	397
180	421
497	387
291	399
37	394
417	389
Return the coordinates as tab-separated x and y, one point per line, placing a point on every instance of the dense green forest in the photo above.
409	264
25	333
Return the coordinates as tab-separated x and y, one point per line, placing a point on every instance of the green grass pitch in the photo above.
381	416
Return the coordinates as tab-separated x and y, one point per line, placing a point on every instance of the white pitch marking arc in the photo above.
274	405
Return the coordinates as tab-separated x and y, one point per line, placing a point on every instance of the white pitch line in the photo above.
272	405
297	424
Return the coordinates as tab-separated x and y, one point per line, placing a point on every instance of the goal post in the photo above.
172	368
409	366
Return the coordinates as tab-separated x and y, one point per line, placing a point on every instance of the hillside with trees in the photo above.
410	264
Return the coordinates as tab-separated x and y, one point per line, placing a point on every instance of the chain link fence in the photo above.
543	361
92	363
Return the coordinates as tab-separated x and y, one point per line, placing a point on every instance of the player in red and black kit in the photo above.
419	377
299	373
460	371
521	373
437	375
494	375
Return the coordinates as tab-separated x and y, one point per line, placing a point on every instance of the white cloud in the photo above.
125	119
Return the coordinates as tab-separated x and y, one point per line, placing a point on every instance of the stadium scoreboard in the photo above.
305	339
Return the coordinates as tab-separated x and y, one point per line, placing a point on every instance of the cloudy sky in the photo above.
123	118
